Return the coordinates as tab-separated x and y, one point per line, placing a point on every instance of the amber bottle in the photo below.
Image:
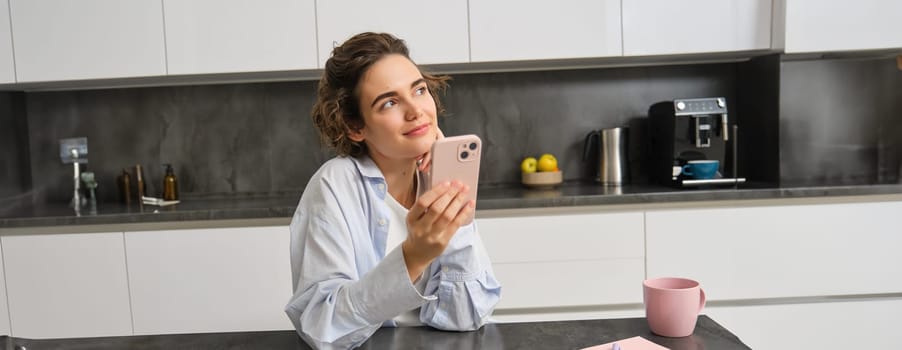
125	187
140	182
170	185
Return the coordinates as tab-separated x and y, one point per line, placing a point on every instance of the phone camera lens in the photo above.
472	146
464	155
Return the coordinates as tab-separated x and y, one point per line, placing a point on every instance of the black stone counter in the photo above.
534	335
282	205
189	209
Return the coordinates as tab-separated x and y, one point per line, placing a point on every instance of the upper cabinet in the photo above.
7	67
226	36
833	25
435	31
51	41
87	39
656	27
505	30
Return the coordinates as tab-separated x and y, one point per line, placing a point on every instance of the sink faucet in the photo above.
76	193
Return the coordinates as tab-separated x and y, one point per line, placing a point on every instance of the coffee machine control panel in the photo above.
703	111
697	106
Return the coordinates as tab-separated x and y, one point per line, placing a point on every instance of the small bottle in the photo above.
139	180
170	185
125	187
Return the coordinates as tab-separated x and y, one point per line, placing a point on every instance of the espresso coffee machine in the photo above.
691	130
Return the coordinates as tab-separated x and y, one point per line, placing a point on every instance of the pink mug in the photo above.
672	305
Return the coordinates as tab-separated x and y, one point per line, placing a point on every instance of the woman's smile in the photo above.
420	130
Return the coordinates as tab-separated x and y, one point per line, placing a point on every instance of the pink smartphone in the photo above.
456	158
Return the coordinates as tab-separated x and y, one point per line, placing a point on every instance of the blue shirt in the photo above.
346	285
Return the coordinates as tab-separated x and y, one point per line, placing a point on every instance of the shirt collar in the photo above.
368	167
371	175
370	171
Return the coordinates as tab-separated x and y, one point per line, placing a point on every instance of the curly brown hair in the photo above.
337	109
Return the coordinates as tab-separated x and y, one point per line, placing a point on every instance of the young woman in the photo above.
369	246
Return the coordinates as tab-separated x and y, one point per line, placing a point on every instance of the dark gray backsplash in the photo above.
759	123
523	114
219	138
15	175
840	122
259	137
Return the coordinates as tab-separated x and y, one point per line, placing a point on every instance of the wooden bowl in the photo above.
542	179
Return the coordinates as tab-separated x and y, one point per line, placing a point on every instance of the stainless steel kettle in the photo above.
613	162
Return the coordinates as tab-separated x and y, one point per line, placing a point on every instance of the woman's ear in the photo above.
355	135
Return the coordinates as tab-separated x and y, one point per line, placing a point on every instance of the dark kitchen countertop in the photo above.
189	209
282	205
530	335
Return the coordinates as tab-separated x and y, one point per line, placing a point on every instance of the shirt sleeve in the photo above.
336	306
464	284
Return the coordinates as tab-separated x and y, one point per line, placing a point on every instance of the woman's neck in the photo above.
400	178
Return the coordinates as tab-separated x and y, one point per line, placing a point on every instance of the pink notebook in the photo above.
634	343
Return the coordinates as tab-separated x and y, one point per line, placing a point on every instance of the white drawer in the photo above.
858	324
570	283
564	237
787	251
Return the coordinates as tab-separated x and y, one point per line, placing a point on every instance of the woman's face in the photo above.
398	111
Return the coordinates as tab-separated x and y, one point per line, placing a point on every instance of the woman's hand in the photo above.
432	222
425	160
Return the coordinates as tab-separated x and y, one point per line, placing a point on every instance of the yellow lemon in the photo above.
547	162
528	165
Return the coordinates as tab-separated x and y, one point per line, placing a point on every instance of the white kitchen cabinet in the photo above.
522	30
656	27
566	260
435	31
67	285
214	36
853	324
209	280
88	39
7	66
838	25
780	251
